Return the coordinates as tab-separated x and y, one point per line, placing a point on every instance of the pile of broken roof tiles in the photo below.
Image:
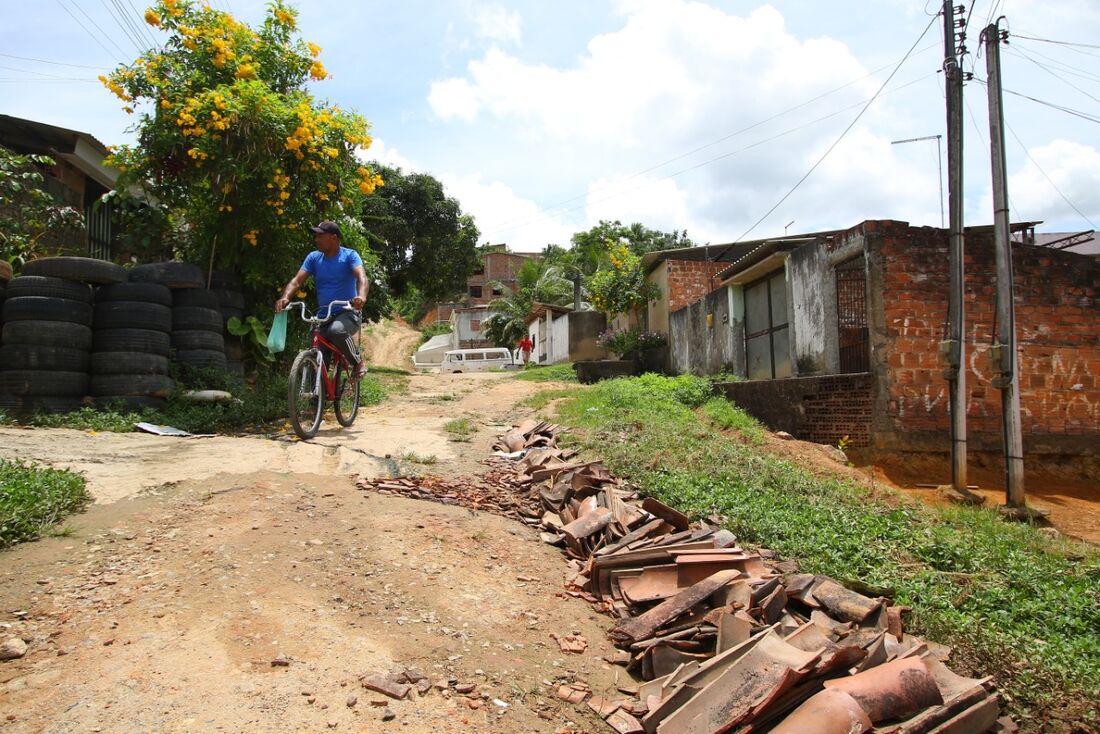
724	641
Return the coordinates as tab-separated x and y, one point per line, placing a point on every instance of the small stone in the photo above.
352	700
465	687
12	649
333	723
311	699
388	715
280	662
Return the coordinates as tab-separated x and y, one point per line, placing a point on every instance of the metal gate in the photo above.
100	232
851	310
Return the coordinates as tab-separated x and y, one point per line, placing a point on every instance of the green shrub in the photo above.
436	329
32	498
550	373
726	415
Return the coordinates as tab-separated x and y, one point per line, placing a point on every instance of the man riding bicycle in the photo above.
339	276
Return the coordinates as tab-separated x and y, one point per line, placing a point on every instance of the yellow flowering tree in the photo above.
619	286
232	147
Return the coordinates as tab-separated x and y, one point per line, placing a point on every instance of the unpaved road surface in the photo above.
203	560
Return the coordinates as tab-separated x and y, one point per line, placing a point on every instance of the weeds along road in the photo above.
204	560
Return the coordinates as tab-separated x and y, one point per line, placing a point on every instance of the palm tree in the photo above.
536	282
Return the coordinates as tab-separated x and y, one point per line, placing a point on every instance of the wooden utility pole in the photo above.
1006	372
952	349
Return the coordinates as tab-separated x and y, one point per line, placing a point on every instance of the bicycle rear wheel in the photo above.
305	394
347	395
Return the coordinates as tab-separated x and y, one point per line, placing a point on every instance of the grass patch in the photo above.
1013	603
549	373
414	458
260	407
34	498
460	429
727	416
542	398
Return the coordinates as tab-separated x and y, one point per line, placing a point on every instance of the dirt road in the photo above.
204	560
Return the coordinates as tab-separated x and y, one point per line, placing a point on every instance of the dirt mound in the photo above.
390	344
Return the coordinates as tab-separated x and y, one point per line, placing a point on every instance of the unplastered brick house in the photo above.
838	336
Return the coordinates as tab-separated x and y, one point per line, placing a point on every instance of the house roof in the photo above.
723	252
538	310
82	150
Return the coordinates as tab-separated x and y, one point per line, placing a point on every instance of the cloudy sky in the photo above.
544	118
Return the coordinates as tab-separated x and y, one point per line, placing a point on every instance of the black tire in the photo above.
173	274
128	363
45	308
159	386
44	285
27	405
130	403
229	313
198	339
133	315
305	397
229	299
83	269
346	406
188	318
55	383
48	334
225	280
131	340
37	357
200	297
144	292
200	358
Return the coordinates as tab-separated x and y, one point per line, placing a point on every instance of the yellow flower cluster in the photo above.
116	88
152	18
368	180
280	181
314	49
246	71
251	237
285	17
173	10
317	71
197	154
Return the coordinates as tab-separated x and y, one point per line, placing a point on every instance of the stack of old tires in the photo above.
130	346
196	323
228	289
5	276
46	340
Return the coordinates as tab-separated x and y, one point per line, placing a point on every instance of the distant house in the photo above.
78	179
839	336
466	327
498	265
560	334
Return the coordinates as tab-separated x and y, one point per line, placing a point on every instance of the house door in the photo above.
767	332
851	310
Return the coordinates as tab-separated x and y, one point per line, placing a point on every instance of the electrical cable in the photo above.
126	31
842	135
1061	108
1061	66
1060	43
1048	178
36	73
148	33
93	36
105	34
523	221
127	24
55	63
1051	72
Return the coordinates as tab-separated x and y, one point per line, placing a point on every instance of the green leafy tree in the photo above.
620	286
233	150
421	237
590	249
28	213
536	282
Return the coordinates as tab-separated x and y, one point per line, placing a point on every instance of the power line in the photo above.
1061	66
93	36
1048	178
105	34
36	73
842	135
126	30
55	63
14	80
146	31
1061	108
1051	72
1059	43
524	221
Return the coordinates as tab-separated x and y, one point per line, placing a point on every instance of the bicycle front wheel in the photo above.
305	394
347	395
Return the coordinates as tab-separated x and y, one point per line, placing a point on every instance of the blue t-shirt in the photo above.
334	276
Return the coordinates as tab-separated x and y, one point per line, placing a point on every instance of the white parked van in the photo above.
476	360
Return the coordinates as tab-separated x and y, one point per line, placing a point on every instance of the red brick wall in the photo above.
500	266
1057	332
689	281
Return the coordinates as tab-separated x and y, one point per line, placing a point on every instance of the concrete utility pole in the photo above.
952	349
1007	375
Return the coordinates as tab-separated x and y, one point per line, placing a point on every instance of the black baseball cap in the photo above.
326	227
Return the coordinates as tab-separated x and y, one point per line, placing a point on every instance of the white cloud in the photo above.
1072	167
453	98
497	23
505	217
660	203
387	156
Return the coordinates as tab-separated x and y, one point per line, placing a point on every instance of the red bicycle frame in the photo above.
320	343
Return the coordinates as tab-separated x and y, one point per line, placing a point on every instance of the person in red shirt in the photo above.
525	346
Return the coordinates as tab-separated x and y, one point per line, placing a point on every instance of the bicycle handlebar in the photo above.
315	319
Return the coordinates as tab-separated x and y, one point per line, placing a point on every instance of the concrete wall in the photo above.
463	321
820	409
558	329
584	328
811	299
657	312
704	347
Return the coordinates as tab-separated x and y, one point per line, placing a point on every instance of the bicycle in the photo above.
311	382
